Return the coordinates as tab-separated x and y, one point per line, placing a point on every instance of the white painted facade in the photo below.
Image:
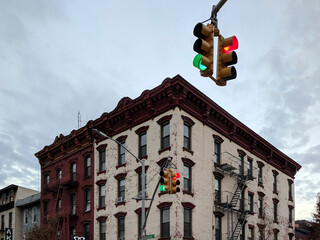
202	177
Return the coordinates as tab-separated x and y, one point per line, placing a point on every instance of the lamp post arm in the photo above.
106	136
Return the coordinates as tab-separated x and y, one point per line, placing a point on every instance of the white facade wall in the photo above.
203	217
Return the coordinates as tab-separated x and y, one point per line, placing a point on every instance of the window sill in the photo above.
291	199
120	203
165	149
187	150
101	208
260	185
188	238
164	238
188	193
101	172
275	192
144	157
122	165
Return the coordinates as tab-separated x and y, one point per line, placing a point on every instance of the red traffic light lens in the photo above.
232	46
177	175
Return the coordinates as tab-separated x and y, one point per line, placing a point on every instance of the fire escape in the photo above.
65	207
237	214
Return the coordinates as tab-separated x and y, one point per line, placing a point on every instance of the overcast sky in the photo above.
61	56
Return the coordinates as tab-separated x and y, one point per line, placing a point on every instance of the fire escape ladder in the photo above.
241	185
241	221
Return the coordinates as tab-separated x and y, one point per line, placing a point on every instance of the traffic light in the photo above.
226	57
204	46
165	180
175	183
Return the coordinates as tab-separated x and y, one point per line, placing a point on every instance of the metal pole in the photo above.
143	181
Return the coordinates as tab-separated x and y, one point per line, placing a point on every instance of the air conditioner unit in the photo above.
120	199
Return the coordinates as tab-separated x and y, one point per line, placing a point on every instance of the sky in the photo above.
60	57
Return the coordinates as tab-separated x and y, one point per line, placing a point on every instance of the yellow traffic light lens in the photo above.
197	62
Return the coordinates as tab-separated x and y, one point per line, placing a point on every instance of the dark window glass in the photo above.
87	169
121	188
73	203
187	222
102	195
121	227
87	200
217	190
250	203
143	144
187	178
290	190
121	153
10	220
260	206
165	135
241	165
275	211
250	169
73	167
187	136
260	174
218	231
102	160
86	231
165	222
59	175
217	149
275	188
102	229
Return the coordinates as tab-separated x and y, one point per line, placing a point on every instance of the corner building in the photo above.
234	184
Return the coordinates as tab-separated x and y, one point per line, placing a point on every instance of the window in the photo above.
187	136
142	145
260	175
59	175
275	211
275	236
72	232
11	196
87	166
46	179
250	233
10	220
260	205
217	228
121	189
241	165
121	227
165	135
58	206
165	222
290	216
73	168
250	169
102	230
187	222
250	202
102	160
187	177
73	203
102	195
87	200
290	189
86	231
217	153
4	199
121	153
26	213
275	188
217	190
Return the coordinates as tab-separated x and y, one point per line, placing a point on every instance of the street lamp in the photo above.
143	181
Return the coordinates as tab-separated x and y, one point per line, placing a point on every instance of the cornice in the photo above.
177	92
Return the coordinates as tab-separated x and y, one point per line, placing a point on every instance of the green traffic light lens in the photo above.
162	188
197	62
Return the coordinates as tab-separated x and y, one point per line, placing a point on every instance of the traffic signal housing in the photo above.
165	181
204	47
175	183
226	57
